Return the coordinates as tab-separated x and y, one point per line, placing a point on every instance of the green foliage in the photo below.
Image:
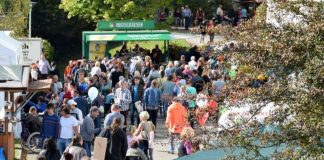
95	10
14	16
293	54
48	49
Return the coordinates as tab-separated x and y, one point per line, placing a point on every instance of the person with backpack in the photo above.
116	141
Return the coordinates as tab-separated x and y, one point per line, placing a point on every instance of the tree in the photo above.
95	10
14	16
291	57
51	23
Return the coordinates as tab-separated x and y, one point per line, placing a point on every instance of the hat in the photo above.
71	102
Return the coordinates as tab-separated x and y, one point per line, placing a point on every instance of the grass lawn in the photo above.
149	45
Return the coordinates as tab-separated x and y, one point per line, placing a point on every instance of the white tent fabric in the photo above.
10	49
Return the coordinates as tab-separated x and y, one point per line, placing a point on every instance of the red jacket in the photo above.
176	118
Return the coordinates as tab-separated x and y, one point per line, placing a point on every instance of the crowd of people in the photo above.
133	93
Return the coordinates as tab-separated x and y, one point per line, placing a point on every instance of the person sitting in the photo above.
134	153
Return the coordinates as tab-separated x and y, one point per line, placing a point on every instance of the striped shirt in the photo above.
123	98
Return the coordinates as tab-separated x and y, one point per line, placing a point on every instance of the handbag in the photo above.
139	106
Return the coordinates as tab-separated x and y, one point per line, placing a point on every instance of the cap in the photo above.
71	102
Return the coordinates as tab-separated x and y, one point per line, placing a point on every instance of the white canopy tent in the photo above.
10	49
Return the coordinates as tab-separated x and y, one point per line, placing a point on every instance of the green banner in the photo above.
125	25
128	37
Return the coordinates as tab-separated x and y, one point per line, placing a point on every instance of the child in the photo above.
151	140
185	147
130	135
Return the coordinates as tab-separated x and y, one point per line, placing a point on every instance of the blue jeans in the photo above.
87	147
133	116
62	144
171	141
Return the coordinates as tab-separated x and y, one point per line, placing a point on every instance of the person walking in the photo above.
211	30
68	128
75	149
123	99
50	124
152	100
176	120
143	132
115	113
117	141
137	91
88	129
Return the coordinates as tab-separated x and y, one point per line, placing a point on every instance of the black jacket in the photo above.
116	144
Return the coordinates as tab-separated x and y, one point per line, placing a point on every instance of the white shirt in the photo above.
56	86
95	71
192	65
44	66
77	113
219	11
67	125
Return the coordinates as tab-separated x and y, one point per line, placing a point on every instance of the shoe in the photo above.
171	152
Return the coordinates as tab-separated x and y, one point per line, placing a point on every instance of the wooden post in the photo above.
8	138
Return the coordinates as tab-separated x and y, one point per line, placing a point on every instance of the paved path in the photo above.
160	146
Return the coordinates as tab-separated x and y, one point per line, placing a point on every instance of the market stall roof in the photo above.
14	77
160	35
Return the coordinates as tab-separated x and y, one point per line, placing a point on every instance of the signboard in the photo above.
97	50
31	50
125	25
128	37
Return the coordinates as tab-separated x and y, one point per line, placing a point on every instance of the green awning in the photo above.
160	35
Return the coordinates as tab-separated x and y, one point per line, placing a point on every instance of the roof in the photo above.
14	77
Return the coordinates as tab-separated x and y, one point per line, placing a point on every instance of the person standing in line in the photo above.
88	129
123	99
44	66
187	15
68	128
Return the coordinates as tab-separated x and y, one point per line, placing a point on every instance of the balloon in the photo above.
93	93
